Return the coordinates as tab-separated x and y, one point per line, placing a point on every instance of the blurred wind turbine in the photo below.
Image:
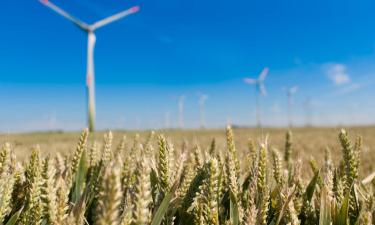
308	106
52	121
89	29
260	90
167	120
181	101
289	93
229	121
202	100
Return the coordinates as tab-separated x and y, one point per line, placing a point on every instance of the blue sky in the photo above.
182	47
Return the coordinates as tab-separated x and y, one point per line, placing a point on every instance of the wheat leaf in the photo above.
13	220
158	217
234	215
80	178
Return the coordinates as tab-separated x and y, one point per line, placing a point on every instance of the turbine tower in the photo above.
289	93
89	29
202	101
181	101
308	106
260	90
167	120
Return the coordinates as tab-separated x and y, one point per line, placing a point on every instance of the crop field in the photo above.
248	113
307	142
229	176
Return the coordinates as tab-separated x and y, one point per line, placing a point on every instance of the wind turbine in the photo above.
89	29
181	101
202	101
167	120
260	90
308	105
289	93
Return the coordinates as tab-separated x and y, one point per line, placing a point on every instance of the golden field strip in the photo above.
307	142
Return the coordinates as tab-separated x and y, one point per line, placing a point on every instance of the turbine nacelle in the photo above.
202	98
181	100
261	89
291	91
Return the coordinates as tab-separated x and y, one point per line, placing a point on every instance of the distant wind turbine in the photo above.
167	120
138	122
308	106
181	101
89	29
202	101
260	90
289	93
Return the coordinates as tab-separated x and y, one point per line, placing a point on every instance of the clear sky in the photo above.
182	47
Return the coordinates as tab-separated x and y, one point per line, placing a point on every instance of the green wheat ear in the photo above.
212	147
110	197
93	154
232	169
48	190
231	173
277	167
62	199
120	147
33	208
288	146
81	146
232	149
197	156
211	192
264	206
148	143
5	158
107	148
262	169
163	166
262	185
252	149
351	163
350	159
197	181
7	182
142	196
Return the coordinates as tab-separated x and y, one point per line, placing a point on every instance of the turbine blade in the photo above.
249	81
63	13
114	17
263	74
262	89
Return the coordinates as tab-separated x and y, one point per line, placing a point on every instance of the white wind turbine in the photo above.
202	101
89	29
289	93
167	120
308	106
181	101
260	90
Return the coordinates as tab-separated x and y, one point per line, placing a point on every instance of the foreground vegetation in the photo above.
149	183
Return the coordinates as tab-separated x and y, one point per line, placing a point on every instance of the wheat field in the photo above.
307	142
229	176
